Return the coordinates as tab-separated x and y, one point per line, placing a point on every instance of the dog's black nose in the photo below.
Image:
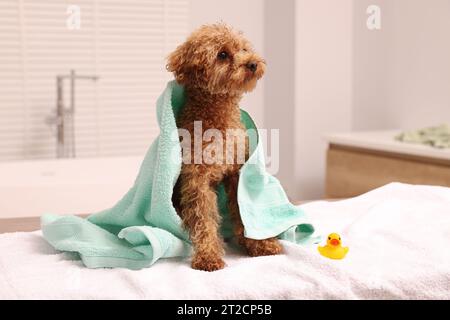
252	66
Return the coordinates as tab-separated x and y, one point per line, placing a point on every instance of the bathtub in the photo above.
64	186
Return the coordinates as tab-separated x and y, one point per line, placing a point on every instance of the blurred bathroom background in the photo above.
79	80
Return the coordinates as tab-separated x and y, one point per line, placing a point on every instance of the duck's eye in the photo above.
222	55
339	238
329	238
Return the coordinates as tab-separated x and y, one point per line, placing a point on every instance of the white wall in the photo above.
370	66
323	87
402	72
247	16
279	96
351	78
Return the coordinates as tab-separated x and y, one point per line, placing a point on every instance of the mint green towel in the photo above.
144	226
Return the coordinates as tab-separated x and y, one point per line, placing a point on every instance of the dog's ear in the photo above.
177	63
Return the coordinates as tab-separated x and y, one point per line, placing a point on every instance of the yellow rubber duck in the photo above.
333	248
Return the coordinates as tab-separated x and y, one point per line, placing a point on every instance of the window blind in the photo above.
124	43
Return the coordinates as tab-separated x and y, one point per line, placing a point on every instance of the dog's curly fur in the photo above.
216	65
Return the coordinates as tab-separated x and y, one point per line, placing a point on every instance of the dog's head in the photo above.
217	59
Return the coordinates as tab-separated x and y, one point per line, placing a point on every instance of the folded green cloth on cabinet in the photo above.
438	137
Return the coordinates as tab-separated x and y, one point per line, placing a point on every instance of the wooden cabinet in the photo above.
360	162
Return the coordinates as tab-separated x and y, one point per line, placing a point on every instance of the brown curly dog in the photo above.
216	65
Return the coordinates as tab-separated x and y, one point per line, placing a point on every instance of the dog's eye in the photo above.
222	55
245	50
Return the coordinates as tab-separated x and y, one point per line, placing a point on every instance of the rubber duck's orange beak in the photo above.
334	242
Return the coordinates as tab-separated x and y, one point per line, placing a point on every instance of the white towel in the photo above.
398	235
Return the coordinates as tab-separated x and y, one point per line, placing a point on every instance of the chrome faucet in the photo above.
62	113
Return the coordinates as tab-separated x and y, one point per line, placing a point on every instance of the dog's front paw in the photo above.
267	247
207	263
